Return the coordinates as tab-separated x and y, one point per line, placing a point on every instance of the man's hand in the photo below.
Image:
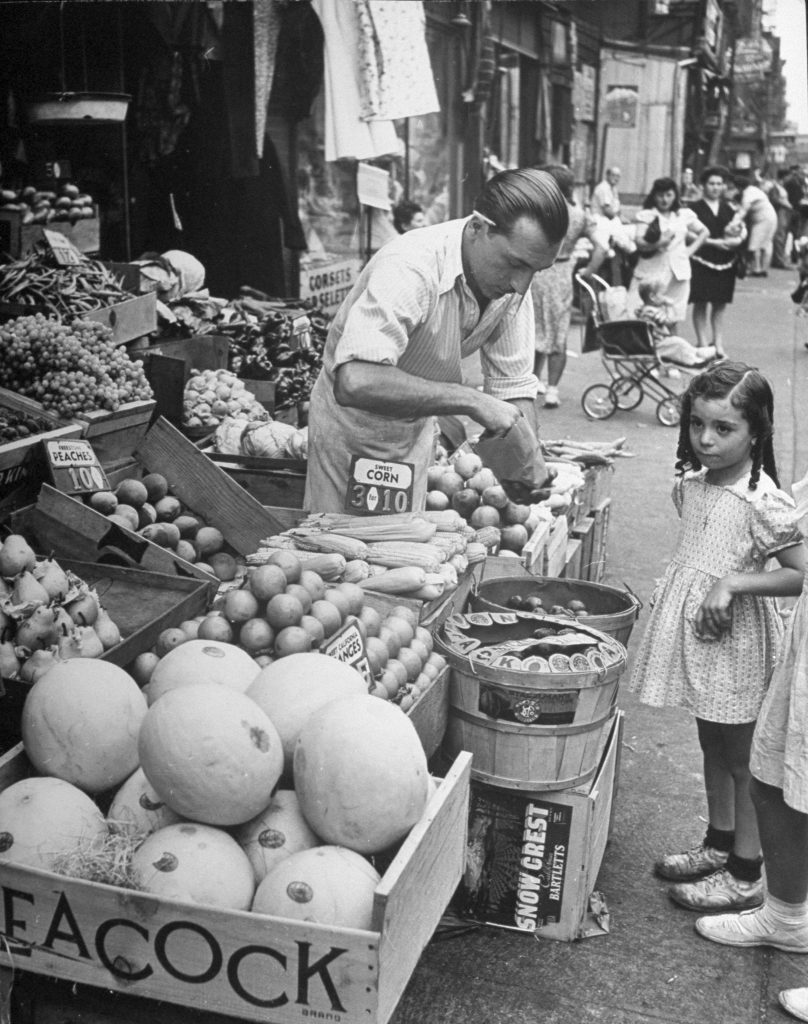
495	415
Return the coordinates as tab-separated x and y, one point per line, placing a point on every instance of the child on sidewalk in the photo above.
715	629
779	791
657	309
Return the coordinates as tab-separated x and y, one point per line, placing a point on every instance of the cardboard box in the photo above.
533	861
248	966
555	551
23	466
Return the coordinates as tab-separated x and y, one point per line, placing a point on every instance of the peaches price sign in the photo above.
74	467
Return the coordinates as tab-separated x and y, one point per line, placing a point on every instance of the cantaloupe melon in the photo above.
292	688
80	723
277	832
360	773
43	819
136	807
325	885
201	661
196	864
211	753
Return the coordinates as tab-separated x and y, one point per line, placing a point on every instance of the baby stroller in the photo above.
630	357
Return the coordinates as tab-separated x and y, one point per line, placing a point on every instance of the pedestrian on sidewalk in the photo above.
552	292
715	629
779	790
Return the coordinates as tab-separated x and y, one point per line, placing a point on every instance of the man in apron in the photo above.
392	360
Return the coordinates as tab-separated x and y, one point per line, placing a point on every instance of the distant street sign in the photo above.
753	59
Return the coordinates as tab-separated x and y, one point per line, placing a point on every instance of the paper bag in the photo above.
514	457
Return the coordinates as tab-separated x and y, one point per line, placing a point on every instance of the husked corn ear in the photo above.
328	566
334	543
433	588
394	554
447	520
476	553
488	535
449	574
454	543
355	571
403	580
403	526
460	562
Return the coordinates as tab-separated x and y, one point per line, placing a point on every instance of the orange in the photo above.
327	613
392	639
169	639
411	662
423	634
313	582
355	595
401	628
341	600
266	581
371	620
284	610
240	605
302	594
256	635
377	653
403	611
292	640
314	628
288	562
215	627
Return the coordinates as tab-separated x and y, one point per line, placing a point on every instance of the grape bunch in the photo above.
68	368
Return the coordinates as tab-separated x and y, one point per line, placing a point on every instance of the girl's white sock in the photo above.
788	915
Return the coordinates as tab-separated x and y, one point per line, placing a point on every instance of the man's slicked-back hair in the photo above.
525	192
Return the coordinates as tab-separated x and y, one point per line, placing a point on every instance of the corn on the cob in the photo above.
336	543
449	574
488	535
355	571
403	580
330	567
460	563
446	520
453	543
432	589
403	527
476	553
395	554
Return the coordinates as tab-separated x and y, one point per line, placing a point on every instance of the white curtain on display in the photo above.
376	69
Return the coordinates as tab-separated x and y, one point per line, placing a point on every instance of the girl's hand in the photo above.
714	617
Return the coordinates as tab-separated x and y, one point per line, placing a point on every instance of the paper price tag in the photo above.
64	252
74	467
348	645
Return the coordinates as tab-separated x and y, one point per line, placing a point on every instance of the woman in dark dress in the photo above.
712	285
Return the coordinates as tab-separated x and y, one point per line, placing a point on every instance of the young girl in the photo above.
714	631
779	790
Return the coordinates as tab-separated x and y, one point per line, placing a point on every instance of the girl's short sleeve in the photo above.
774	526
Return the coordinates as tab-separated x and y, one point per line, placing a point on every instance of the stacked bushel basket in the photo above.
533	697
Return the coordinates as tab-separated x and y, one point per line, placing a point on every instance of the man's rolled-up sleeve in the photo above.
507	357
396	299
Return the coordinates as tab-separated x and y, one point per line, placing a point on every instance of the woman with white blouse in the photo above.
667	236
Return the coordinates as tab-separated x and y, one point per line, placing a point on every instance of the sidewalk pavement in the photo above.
652	968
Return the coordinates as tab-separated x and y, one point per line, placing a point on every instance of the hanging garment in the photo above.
266	29
396	78
347	136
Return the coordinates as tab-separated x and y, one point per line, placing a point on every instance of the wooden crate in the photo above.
17	238
60	523
555	552
168	366
115	435
533	552
271	481
249	966
585	533
206	489
430	713
572	565
23	466
600	531
128	319
141	604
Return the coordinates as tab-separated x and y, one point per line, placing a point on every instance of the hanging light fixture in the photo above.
461	19
84	107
